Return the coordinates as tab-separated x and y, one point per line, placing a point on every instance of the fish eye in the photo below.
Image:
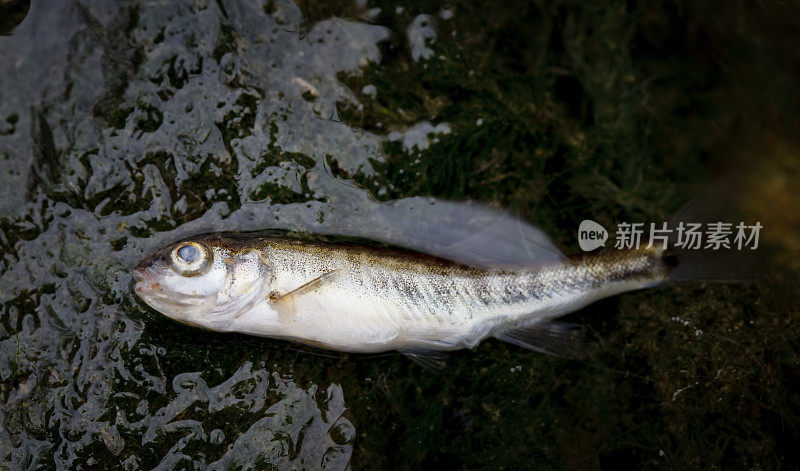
191	258
187	253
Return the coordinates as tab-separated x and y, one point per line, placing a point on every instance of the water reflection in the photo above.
129	125
276	423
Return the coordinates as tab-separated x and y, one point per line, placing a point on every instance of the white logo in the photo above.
591	235
685	236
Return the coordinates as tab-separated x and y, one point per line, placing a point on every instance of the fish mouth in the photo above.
138	275
145	281
151	292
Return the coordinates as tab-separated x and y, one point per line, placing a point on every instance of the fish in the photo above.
484	274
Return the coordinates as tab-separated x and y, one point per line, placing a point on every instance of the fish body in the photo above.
363	299
462	273
376	300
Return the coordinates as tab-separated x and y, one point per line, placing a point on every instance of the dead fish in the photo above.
444	291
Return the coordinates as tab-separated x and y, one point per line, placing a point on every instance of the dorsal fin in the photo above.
463	232
467	233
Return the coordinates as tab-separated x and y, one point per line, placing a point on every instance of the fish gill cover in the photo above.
126	125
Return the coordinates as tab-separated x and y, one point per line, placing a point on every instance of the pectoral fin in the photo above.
284	304
312	285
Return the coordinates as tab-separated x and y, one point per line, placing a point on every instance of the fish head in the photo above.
205	282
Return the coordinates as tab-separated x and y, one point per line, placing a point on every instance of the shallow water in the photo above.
125	126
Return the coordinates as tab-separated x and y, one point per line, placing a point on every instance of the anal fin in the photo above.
433	359
562	339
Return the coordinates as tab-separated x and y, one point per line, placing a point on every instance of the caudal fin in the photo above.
715	214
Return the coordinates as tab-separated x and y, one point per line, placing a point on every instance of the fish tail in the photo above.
714	210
